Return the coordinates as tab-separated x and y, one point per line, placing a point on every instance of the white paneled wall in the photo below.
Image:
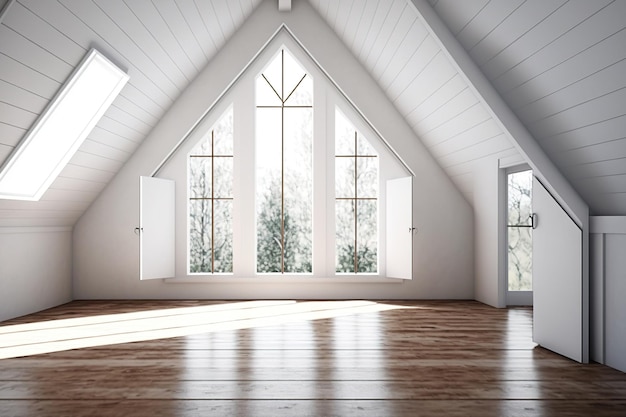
391	41
608	286
162	45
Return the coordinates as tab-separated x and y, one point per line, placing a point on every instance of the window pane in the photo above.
269	189
344	178
367	177
265	96
223	177
344	235
519	196
520	258
293	74
203	147
367	236
364	147
273	73
344	135
223	235
268	146
223	135
269	237
199	177
298	235
200	236
298	189
303	95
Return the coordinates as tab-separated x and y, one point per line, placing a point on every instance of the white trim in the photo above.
607	224
502	114
519	298
517	168
281	29
35	229
272	279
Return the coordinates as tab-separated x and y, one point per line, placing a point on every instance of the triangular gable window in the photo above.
307	176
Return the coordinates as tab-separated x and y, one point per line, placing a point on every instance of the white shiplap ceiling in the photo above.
393	43
560	66
162	44
557	63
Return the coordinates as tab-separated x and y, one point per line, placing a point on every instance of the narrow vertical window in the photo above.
284	167
520	231
211	200
356	200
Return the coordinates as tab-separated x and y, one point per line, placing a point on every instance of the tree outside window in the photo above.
520	231
284	167
356	200
211	200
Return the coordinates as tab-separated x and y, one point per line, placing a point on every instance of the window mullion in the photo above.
356	205
213	201
282	168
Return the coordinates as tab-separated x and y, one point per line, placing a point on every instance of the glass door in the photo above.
519	237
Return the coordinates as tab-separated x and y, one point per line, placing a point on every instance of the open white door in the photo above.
399	228
557	278
156	228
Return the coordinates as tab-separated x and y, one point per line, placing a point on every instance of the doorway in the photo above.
519	288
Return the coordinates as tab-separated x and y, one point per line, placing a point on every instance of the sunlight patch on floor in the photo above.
82	332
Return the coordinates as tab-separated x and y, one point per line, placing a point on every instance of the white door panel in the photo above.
557	277
156	228
400	228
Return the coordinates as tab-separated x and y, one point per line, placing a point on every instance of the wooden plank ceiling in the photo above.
557	63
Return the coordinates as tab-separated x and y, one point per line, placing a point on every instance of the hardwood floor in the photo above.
287	358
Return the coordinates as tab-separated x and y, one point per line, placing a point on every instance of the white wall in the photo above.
608	286
35	269
106	248
488	232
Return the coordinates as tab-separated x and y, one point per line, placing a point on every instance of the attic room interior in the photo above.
312	207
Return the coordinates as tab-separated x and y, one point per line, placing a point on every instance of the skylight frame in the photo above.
27	156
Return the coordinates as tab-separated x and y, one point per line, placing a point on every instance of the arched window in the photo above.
284	167
285	180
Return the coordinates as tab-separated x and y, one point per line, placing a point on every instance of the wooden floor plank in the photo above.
288	358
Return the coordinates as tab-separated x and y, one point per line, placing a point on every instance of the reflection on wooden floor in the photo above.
288	358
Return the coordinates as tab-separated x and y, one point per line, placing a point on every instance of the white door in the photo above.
156	228
399	227
557	278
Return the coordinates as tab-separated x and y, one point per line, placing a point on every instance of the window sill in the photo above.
357	279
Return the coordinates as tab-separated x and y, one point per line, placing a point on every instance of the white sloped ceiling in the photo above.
162	45
558	64
391	41
560	67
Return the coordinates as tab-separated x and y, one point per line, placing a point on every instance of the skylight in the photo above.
61	129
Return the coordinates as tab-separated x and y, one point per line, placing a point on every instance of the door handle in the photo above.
534	220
